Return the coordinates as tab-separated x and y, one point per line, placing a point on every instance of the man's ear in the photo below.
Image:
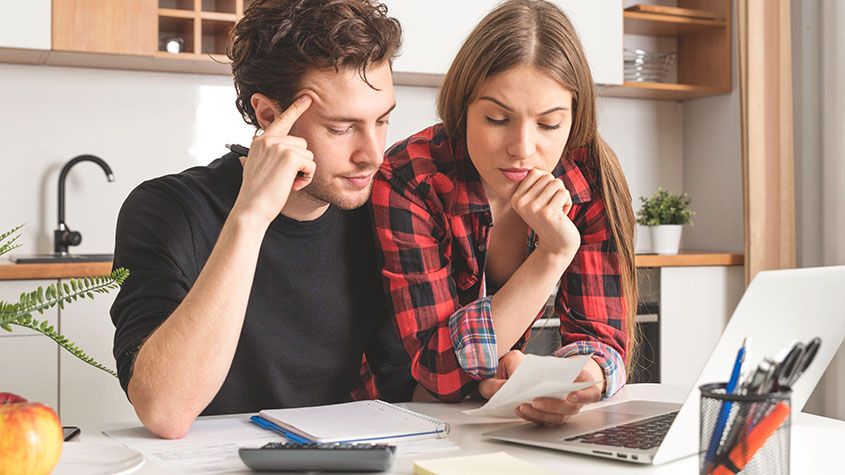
265	108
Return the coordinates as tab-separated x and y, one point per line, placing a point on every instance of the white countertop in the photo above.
813	442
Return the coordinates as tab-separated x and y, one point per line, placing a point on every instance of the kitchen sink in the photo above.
61	258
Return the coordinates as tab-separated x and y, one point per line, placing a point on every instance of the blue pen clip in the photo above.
264	423
725	411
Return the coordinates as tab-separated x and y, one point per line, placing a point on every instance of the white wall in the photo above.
819	157
713	167
148	124
833	168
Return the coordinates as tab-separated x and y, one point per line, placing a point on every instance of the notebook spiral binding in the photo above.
442	426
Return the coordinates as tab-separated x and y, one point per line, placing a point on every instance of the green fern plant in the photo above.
21	312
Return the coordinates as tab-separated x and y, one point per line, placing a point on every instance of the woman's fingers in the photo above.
537	416
489	387
527	198
508	363
556	405
560	200
585	396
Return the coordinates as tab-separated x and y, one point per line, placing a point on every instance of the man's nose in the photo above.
371	150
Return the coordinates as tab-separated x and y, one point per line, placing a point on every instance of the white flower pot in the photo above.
666	238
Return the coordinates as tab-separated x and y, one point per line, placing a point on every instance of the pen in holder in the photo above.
755	437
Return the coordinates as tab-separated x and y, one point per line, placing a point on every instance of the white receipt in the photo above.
536	376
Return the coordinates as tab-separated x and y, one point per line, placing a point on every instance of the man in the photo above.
253	280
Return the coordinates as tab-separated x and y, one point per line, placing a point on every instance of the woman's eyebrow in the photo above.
554	109
505	107
495	101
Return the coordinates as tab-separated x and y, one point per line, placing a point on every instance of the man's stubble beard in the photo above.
321	192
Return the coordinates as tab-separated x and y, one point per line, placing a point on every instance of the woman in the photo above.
514	192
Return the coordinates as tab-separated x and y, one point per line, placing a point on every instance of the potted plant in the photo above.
31	433
665	214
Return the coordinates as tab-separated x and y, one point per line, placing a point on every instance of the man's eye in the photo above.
549	127
340	131
496	121
383	122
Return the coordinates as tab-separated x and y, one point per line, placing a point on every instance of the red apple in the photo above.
30	436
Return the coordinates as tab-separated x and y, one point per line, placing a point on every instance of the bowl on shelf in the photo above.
647	66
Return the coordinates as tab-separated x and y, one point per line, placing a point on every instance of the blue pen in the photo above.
264	423
725	412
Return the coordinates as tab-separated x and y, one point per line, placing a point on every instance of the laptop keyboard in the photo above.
645	434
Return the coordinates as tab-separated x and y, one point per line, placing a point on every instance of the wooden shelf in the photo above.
53	271
661	91
229	17
690	259
203	29
703	49
175	13
198	57
11	271
653	24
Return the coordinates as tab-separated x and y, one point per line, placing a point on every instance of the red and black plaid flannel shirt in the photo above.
432	222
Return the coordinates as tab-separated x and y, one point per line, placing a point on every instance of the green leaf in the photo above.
664	208
7	244
56	294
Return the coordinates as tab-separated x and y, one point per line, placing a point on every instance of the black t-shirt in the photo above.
316	305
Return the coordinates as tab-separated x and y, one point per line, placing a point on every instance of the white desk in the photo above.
814	441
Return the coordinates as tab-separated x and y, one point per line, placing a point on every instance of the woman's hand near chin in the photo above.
543	202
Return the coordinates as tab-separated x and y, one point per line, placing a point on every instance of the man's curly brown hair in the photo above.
277	42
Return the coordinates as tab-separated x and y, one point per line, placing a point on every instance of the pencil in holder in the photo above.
747	434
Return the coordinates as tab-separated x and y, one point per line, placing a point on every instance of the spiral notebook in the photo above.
359	421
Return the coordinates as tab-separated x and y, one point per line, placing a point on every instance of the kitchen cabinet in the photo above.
433	31
46	373
88	395
10	291
703	47
695	305
29	360
25	25
133	34
30	368
105	26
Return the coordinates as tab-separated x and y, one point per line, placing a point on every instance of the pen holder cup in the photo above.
754	433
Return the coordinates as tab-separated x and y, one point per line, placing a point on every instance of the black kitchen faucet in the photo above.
63	237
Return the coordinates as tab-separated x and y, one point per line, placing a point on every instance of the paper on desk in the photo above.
212	445
536	376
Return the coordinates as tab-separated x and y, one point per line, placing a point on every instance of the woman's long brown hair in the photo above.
537	32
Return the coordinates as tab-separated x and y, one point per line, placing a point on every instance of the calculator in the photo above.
335	457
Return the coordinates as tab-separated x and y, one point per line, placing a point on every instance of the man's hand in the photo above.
278	163
546	411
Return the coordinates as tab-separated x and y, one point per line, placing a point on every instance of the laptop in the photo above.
778	308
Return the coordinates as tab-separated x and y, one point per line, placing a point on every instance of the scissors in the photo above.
796	362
